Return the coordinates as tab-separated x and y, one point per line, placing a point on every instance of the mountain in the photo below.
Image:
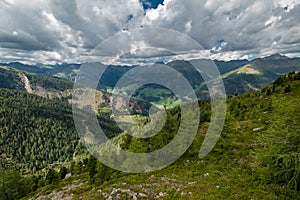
258	73
66	71
275	57
62	89
69	72
255	158
42	85
42	157
39	138
114	73
239	76
27	68
225	67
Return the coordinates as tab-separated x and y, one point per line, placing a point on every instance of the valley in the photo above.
256	156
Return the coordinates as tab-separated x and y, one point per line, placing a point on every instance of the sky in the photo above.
56	31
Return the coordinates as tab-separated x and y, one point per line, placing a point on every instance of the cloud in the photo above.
67	28
66	31
246	26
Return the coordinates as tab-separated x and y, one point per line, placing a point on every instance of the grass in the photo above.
233	170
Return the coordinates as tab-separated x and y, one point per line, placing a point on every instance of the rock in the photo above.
68	175
151	177
142	195
115	192
160	195
257	129
139	186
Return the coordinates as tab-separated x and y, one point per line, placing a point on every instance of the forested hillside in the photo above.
42	85
256	156
35	132
10	80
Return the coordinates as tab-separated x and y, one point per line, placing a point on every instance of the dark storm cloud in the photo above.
24	29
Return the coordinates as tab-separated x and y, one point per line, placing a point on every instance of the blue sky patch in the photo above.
148	4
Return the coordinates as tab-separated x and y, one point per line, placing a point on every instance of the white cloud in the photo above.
248	27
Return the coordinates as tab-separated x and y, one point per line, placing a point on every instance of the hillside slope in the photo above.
42	85
35	132
255	158
259	73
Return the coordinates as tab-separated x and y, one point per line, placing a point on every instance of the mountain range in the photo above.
42	157
239	76
257	155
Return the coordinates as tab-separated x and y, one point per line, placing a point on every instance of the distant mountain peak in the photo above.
276	57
